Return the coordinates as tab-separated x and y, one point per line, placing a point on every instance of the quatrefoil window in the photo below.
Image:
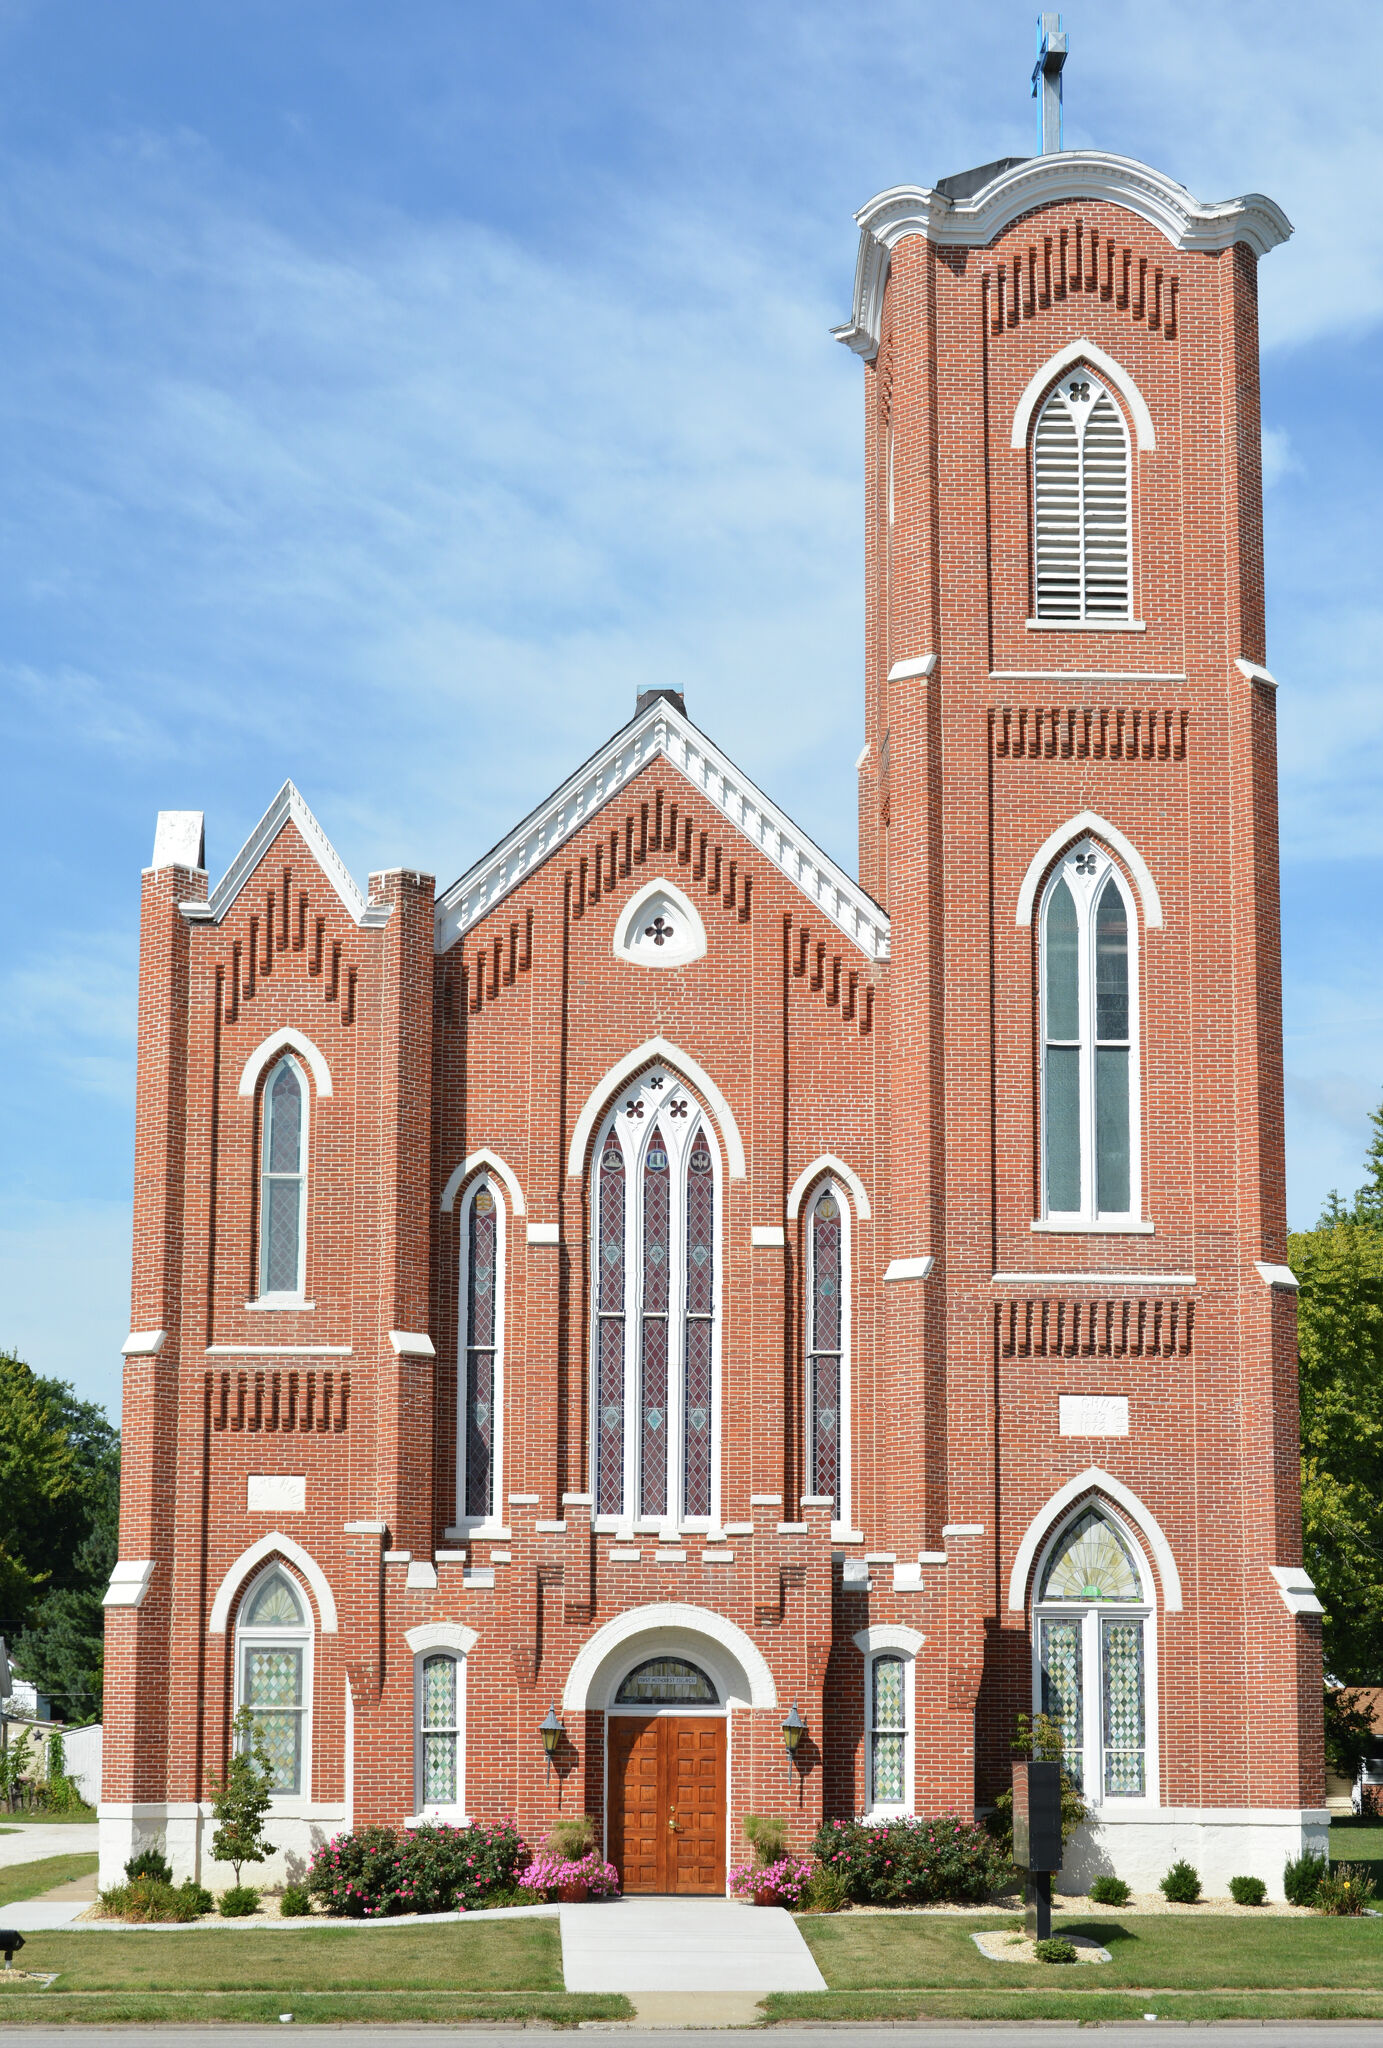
659	927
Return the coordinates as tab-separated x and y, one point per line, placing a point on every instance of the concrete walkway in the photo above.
33	1840
669	1946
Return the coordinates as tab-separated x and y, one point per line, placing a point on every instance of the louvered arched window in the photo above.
1082	569
654	1298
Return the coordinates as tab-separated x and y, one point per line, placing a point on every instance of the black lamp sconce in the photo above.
794	1728
552	1731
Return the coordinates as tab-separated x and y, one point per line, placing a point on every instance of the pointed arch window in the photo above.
655	1285
283	1182
1089	1026
1093	1656
1082	563
827	1388
480	1402
274	1676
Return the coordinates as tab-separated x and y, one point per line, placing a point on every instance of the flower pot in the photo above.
573	1894
766	1895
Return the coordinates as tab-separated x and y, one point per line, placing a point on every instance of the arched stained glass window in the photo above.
888	1730
1088	1088
1081	525
439	1733
1091	1562
283	1180
273	1639
654	1281
667	1681
1092	1657
825	1345
482	1352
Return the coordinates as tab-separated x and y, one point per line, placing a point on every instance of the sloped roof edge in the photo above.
287	804
661	729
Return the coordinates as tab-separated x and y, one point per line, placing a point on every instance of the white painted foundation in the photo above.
1221	1843
183	1831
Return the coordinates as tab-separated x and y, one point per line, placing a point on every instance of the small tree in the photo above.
240	1799
1041	1736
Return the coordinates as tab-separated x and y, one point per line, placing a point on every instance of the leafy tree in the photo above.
1349	1735
240	1799
37	1470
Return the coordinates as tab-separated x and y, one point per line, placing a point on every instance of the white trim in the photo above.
1100	828
845	1389
876	1810
287	804
1276	1276
290	1039
910	1269
1086	625
1083	675
412	1344
889	1635
1059	1225
1254	672
1043	181
466	1524
645	1055
279	1350
767	1237
303	1637
903	671
1147	1281
144	1343
441	1635
472	1163
248	1560
1113	372
1093	1480
829	1163
129	1583
668	1614
544	1233
681	954
1297	1588
862	757
661	729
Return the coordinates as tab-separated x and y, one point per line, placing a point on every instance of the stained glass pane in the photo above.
825	1398
282	1216
281	1734
480	1270
888	1770
273	1678
1112	1129
1060	1650
667	1680
1111	965
653	1350
700	1293
888	1732
609	1290
284	1149
439	1770
1062	1127
1121	1654
439	1692
888	1694
1091	1562
275	1605
823	1365
1063	965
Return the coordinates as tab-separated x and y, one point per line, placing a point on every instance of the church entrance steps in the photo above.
667	1946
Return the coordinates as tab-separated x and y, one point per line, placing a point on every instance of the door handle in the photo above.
672	1821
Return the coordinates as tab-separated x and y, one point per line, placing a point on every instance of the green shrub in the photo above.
1037	1735
767	1836
1301	1878
1110	1891
914	1862
378	1871
827	1892
1057	1949
150	1863
239	1902
296	1902
1346	1888
572	1839
198	1897
1182	1884
147	1898
1248	1891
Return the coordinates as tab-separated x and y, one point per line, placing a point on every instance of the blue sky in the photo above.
388	392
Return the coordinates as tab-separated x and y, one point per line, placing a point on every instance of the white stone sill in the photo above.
1086	625
1079	1226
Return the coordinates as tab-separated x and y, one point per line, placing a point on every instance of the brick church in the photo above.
665	1287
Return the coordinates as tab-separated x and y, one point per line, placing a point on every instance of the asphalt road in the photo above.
1050	2034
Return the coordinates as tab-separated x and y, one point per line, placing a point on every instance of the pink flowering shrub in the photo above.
547	1874
378	1872
914	1862
786	1879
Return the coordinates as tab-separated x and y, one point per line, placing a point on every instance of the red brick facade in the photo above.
490	1019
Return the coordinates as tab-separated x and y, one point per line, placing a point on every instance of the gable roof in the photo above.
658	727
288	804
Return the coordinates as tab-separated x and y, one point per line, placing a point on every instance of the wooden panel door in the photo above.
667	1803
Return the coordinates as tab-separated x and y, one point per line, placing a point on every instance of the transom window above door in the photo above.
667	1681
655	1285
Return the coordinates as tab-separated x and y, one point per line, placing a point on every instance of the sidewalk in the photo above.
33	1840
686	1960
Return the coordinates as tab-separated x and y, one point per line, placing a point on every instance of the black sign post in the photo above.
1037	1837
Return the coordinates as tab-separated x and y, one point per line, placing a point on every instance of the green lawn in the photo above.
27	1880
1358	1841
80	1816
508	1970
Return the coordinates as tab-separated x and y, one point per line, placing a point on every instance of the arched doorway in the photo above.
667	1769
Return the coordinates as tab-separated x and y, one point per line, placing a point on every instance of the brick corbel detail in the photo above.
578	1580
364	1610
966	1564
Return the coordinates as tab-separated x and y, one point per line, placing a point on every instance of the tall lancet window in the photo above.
1093	1654
283	1181
480	1427
655	1308
1081	528
826	1391
1089	1042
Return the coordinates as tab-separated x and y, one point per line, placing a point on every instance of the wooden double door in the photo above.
667	1802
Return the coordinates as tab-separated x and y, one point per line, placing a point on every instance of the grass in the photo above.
508	1971
1357	1841
27	1880
80	1816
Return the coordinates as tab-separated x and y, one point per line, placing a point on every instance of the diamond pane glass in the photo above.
1121	1654
1060	1650
1091	1562
888	1694
669	1681
823	1364
653	1350
284	1149
482	1281
281	1734
439	1692
439	1770
888	1732
282	1219
609	1288
273	1677
275	1605
700	1295
481	1269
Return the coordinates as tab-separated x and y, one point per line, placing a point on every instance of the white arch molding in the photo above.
668	1614
472	1163
274	1544
649	1054
682	951
441	1635
288	1040
819	1168
889	1635
1098	828
1092	1481
1112	372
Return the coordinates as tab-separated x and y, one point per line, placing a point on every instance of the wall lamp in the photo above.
793	1730
552	1731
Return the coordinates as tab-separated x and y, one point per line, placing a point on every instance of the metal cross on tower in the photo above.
1046	81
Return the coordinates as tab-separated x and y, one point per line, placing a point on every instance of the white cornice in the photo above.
661	729
287	804
1042	181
